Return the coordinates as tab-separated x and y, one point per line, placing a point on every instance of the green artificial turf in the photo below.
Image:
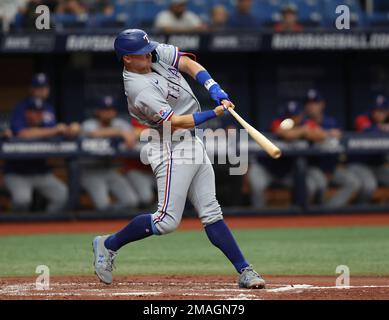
308	251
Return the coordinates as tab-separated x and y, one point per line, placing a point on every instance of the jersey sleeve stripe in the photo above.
187	54
175	60
169	116
166	118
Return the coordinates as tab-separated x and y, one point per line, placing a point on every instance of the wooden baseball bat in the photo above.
258	137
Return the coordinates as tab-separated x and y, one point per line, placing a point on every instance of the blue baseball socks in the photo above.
220	236
140	227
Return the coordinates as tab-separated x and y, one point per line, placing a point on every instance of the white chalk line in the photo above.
241	296
28	289
129	284
244	297
311	287
78	294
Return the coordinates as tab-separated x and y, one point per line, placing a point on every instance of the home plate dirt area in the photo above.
196	288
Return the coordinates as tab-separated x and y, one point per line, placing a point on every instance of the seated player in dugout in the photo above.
100	176
265	172
376	118
371	169
322	128
158	96
34	118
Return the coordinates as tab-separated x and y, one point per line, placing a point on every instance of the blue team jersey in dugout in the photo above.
19	122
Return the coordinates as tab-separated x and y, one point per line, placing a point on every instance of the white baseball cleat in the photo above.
104	259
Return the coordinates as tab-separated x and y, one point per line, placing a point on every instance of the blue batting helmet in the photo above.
133	41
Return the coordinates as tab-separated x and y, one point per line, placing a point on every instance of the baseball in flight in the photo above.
287	124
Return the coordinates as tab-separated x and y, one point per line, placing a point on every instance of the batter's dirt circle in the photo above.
196	287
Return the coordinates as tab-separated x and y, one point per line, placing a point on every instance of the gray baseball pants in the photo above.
99	183
48	185
183	170
260	179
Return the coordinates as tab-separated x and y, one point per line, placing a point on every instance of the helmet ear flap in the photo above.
154	56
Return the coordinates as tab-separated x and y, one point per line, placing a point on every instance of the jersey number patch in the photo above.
172	91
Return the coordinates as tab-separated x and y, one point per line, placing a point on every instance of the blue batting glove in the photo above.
218	94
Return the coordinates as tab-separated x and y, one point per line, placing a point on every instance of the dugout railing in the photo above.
72	150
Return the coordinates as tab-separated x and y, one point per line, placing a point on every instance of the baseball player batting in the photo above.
157	93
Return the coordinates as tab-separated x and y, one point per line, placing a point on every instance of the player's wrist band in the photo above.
205	79
201	117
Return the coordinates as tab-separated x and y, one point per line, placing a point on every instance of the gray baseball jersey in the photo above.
154	97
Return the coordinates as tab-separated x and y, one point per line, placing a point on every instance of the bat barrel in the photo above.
258	137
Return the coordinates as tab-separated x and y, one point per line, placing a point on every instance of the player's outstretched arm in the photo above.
189	66
295	133
42	133
105	133
316	135
198	72
188	121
